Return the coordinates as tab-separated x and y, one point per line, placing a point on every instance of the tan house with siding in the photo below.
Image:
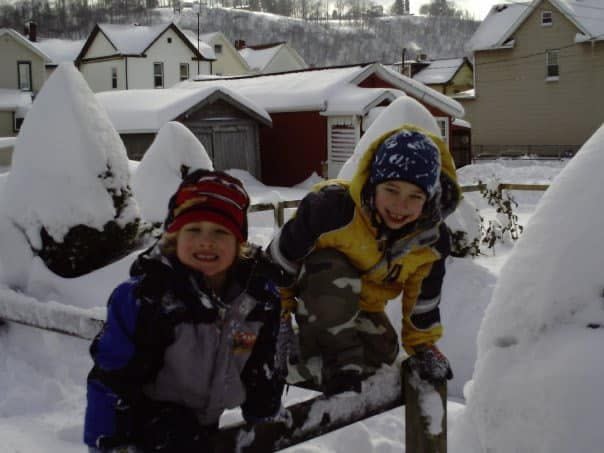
450	76
539	77
23	73
228	61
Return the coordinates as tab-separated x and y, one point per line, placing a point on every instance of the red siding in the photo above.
293	148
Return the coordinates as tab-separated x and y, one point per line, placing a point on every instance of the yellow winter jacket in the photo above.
333	216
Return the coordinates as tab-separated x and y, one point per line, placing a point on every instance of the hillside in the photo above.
331	43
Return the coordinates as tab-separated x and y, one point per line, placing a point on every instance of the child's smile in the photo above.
207	247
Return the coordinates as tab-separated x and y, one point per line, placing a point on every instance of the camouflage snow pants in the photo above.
334	334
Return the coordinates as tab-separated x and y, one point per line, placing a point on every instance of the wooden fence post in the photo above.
425	414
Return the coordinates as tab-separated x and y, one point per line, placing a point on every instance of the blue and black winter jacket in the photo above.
172	356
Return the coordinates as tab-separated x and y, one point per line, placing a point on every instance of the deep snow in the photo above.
534	309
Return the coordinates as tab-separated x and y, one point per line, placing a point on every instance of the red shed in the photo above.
320	114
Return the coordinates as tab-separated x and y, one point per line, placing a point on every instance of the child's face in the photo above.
399	203
206	247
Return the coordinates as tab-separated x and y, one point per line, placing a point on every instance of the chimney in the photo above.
31	31
239	44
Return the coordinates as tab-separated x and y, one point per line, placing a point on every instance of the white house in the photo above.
271	58
123	57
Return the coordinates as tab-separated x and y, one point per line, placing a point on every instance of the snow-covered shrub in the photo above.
505	225
174	153
466	229
67	190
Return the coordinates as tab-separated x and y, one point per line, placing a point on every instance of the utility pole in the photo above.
197	10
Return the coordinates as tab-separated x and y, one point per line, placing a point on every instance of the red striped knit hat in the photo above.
212	196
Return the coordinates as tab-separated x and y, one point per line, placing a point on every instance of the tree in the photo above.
398	8
442	8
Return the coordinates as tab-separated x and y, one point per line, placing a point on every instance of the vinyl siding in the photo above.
516	105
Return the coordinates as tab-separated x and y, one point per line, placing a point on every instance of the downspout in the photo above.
126	70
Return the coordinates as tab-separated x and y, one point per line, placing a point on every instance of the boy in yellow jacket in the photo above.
353	246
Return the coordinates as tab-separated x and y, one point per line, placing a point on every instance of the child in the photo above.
356	245
193	331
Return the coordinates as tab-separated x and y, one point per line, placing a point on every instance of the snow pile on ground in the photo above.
538	375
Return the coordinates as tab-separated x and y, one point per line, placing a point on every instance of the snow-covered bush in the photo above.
68	191
174	153
466	229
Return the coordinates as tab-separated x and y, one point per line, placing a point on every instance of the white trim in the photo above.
544	22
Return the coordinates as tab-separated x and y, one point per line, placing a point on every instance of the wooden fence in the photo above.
85	324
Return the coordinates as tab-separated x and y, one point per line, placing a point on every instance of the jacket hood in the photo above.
449	193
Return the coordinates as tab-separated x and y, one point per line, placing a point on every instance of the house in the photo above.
226	123
319	114
228	61
450	76
124	57
271	58
59	51
22	75
539	77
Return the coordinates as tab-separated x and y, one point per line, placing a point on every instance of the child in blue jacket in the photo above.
192	332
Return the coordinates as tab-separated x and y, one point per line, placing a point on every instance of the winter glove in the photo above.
288	349
429	364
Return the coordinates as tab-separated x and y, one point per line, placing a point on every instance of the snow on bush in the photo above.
68	150
174	153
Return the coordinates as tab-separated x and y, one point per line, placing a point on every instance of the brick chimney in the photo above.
239	44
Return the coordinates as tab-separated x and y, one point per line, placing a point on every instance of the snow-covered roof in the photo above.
204	48
259	59
26	42
439	71
320	89
132	39
14	99
145	111
7	142
60	50
502	21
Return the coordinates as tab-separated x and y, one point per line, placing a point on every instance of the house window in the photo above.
184	71
17	123
443	125
24	75
169	40
158	75
546	19
218	49
114	78
551	62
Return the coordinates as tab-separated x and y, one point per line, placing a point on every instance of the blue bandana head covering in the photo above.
407	156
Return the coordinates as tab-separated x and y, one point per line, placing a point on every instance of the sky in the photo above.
523	322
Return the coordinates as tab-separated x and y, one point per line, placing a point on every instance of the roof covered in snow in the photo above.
134	39
204	48
259	59
146	111
24	41
501	23
439	71
328	90
61	50
12	100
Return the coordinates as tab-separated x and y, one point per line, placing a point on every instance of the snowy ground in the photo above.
42	374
